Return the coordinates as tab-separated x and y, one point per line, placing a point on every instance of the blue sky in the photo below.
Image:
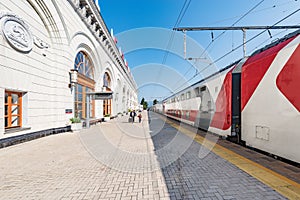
124	16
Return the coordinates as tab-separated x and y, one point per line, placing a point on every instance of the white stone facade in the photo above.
66	27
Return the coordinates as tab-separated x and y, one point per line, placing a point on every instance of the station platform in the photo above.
154	159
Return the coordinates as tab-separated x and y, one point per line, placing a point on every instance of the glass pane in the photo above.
80	114
6	98
6	110
80	97
90	74
89	89
80	67
15	121
87	65
79	88
6	121
14	98
79	106
14	110
76	110
105	80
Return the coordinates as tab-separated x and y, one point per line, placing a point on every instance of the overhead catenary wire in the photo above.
239	46
279	33
179	19
243	16
254	12
170	42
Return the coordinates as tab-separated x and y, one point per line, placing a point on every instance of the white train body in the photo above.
255	101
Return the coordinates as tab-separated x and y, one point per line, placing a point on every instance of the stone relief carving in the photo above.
40	43
18	34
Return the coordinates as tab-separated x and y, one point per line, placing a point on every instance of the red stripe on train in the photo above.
288	79
255	68
189	115
222	116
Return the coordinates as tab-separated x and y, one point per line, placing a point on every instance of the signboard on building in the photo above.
68	111
100	95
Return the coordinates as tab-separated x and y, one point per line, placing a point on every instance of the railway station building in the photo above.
51	54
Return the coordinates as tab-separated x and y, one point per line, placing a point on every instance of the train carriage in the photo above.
255	101
270	101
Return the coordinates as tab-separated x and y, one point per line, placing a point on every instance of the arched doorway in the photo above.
85	84
107	104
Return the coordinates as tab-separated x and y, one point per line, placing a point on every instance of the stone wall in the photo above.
42	74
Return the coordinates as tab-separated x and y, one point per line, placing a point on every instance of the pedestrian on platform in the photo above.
140	117
130	116
133	115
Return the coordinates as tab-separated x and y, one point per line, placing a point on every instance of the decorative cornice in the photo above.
90	14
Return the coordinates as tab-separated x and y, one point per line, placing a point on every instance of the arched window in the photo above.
84	65
107	104
85	84
106	80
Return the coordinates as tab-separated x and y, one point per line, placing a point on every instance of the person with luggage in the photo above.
140	117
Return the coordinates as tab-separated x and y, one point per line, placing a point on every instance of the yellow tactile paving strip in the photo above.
281	184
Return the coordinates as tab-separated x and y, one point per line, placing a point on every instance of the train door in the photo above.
236	107
236	119
206	109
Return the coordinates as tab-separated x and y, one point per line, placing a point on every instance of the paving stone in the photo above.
65	167
212	177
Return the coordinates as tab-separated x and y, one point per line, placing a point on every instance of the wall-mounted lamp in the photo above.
73	78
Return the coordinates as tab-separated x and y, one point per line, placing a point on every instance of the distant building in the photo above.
157	107
52	53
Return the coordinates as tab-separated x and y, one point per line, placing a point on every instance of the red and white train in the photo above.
255	101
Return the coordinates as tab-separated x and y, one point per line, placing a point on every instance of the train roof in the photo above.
286	37
204	79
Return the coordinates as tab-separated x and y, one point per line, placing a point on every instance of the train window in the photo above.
182	97
188	95
197	91
187	115
210	106
202	89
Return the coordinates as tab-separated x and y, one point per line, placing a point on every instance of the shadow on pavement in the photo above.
191	177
